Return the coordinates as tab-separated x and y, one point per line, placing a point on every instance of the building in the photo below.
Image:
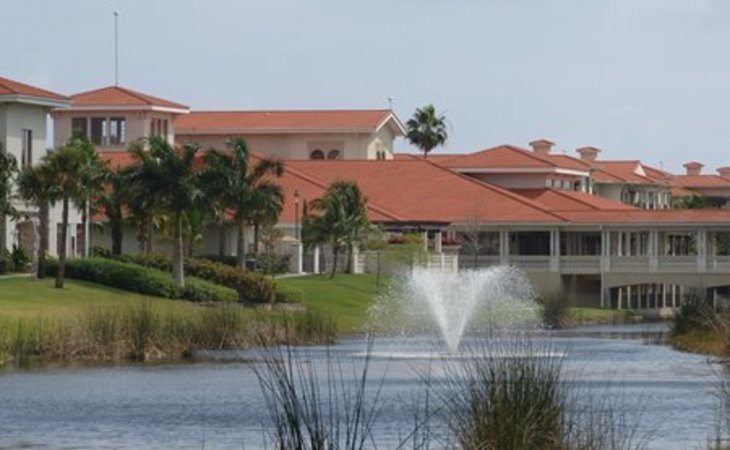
24	113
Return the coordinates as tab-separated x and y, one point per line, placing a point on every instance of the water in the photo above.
219	405
451	303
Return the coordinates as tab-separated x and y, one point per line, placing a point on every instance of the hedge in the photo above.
251	287
135	278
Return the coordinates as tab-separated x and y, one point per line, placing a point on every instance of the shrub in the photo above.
251	287
273	263
19	259
225	259
289	295
199	290
133	277
555	311
6	264
695	314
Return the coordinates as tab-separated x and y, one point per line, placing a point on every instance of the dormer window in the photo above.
316	154
333	154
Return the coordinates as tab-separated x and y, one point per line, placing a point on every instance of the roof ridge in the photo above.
577	198
499	190
219	111
143	97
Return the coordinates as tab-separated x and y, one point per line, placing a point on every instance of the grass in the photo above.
596	316
86	321
25	299
346	298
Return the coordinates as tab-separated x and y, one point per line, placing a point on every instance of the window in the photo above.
333	154
79	126
316	154
98	130
117	131
158	127
26	155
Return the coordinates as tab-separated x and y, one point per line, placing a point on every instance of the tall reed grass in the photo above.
140	331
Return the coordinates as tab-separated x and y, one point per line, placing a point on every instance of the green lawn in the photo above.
346	297
22	298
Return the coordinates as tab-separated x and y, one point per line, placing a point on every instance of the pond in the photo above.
669	395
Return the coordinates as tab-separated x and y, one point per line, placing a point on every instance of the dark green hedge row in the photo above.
251	287
144	280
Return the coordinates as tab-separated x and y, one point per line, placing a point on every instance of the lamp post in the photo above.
296	214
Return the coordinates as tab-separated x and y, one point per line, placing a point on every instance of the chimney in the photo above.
541	146
693	167
589	154
724	171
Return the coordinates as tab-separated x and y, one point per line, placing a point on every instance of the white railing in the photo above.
530	263
580	264
629	264
677	264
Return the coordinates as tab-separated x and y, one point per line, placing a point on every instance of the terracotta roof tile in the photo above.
203	122
666	216
700	181
120	96
421	191
10	87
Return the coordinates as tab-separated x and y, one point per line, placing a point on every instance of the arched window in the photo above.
333	154
316	154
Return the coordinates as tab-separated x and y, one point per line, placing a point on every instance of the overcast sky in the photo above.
645	79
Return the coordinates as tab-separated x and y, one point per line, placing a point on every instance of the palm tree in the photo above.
340	222
426	129
35	186
65	171
267	202
245	190
8	171
94	176
112	200
168	176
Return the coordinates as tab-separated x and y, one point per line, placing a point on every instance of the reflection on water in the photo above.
216	405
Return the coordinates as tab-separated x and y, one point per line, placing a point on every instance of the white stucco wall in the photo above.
300	145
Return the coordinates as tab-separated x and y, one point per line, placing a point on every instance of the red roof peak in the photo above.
116	96
12	87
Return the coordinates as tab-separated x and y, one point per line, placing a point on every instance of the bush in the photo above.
273	263
19	259
199	290
289	295
695	314
225	259
555	311
132	277
6	263
251	287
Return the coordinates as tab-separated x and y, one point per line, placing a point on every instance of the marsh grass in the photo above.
146	330
314	408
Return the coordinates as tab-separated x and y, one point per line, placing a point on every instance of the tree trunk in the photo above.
62	248
221	239
241	244
177	252
335	253
43	241
3	232
116	231
256	239
150	237
348	258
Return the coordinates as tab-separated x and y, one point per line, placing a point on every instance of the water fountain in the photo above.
452	303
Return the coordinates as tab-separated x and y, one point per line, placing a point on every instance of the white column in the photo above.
620	297
555	250
628	296
298	261
315	262
702	250
653	250
664	295
355	260
424	236
437	242
504	246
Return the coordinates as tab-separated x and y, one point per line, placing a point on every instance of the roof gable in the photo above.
117	96
25	93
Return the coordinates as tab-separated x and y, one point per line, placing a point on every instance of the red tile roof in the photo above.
10	87
562	201
120	96
700	181
513	157
420	191
623	172
216	122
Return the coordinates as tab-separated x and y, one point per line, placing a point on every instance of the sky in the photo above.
639	79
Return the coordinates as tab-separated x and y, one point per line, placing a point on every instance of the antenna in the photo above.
390	102
116	48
